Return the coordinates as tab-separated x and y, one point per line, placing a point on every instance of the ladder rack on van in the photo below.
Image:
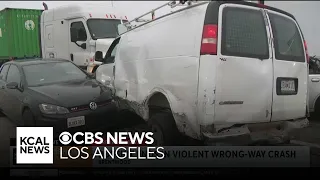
171	4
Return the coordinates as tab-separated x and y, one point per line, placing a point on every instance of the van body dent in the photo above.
220	69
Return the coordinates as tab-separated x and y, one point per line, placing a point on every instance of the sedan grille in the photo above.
86	106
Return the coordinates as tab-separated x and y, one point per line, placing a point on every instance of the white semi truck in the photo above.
73	32
76	32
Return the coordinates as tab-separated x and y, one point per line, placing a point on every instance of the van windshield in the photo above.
103	28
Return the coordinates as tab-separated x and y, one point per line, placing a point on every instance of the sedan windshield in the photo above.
50	73
103	28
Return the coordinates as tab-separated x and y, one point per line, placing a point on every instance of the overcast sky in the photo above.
304	11
131	8
307	14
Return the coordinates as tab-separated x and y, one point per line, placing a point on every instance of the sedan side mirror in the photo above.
98	56
12	85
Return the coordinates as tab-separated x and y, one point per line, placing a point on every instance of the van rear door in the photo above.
245	70
290	68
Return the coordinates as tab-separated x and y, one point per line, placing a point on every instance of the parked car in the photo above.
214	71
53	92
314	87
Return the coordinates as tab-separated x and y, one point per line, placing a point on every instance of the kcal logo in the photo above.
34	145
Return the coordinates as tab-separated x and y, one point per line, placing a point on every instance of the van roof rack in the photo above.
171	4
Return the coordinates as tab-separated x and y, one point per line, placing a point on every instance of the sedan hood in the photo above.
74	93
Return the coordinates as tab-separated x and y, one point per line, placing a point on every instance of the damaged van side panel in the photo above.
163	57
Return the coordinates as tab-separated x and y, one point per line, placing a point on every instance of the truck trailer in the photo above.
19	34
73	32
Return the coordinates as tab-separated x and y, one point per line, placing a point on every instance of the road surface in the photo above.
7	131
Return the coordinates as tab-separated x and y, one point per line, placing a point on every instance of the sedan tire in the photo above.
28	118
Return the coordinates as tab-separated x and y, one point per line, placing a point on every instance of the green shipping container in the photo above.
19	33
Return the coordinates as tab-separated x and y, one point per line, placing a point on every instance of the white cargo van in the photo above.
213	71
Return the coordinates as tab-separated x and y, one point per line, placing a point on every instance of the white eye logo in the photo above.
29	25
65	138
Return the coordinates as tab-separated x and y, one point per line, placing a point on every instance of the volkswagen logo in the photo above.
93	105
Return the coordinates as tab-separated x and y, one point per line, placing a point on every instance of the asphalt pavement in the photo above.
309	136
7	131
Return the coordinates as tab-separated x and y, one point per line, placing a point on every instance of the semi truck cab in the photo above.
76	32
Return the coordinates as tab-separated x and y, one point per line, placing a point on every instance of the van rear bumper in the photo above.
272	132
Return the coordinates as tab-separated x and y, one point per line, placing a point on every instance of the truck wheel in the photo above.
28	118
165	131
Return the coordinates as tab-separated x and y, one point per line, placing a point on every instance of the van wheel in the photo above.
28	118
165	131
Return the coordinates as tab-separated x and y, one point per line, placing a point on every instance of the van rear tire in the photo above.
165	131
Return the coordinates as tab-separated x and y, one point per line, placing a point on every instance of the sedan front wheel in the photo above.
28	118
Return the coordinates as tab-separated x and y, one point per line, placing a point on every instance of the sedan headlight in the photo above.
52	109
105	80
